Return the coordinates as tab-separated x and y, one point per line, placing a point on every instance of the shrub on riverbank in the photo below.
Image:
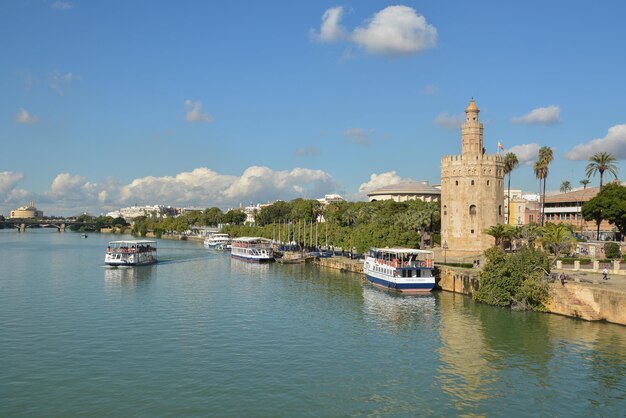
515	280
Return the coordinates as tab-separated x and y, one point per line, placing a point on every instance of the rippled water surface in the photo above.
201	335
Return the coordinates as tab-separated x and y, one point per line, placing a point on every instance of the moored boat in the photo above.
403	269
217	241
252	249
131	253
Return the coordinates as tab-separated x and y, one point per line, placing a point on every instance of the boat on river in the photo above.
217	241
131	253
402	269
252	249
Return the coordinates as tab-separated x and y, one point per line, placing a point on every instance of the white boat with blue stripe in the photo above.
252	249
402	269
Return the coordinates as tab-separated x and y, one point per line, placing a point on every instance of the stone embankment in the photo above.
341	263
584	295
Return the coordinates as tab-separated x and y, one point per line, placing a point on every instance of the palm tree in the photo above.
584	182
545	158
510	162
499	232
566	186
540	174
601	162
557	238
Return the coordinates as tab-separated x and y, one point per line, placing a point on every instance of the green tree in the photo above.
234	216
611	250
592	210
510	162
584	182
212	216
499	233
545	158
566	186
612	199
601	162
540	173
558	239
514	280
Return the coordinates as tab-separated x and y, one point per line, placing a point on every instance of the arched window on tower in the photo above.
445	210
472	213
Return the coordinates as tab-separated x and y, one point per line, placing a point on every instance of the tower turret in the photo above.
472	132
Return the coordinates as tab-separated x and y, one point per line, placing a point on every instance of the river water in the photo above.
200	334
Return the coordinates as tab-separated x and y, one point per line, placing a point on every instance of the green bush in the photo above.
514	280
611	250
463	265
570	260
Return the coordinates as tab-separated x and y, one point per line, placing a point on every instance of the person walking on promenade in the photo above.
605	274
562	277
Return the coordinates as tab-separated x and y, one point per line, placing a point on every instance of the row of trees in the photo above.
348	225
557	239
599	163
208	217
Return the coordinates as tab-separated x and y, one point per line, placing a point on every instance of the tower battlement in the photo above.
461	157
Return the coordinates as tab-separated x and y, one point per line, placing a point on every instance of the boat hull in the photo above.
421	287
117	263
250	259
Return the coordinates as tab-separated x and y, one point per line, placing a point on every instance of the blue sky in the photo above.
204	103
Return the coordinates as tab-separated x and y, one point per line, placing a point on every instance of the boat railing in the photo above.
398	263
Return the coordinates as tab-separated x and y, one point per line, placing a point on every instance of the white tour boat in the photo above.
216	241
252	249
402	269
131	253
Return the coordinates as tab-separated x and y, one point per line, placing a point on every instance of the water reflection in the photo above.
130	277
488	353
464	372
243	268
383	308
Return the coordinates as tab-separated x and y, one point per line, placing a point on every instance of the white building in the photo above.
331	198
407	190
132	212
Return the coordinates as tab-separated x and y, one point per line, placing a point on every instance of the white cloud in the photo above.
72	188
614	142
24	117
357	136
450	121
61	5
526	154
262	183
395	30
307	152
194	112
70	194
330	30
543	115
58	81
377	181
8	181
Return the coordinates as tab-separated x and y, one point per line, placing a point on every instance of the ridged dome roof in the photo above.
472	107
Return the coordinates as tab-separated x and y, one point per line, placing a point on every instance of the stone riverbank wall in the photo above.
586	301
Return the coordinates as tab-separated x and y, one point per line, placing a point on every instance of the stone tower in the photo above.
472	191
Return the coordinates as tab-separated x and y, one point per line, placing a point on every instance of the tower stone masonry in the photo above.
472	192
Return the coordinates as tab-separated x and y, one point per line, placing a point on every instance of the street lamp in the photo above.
445	251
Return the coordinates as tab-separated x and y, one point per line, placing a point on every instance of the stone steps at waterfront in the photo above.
562	297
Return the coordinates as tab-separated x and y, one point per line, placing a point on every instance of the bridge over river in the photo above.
59	224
